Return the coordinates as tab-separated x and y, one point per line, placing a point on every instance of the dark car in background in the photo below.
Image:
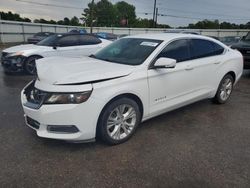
39	37
214	37
122	35
244	47
107	36
182	31
78	31
230	40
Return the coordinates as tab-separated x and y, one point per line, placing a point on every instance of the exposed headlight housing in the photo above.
36	98
67	98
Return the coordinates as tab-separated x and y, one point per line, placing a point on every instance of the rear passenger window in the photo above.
204	48
70	40
218	49
178	50
88	40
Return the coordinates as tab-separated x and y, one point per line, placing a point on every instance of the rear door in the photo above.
206	58
193	77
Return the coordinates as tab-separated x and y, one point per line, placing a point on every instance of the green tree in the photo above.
105	14
66	21
125	11
74	21
144	23
86	15
14	17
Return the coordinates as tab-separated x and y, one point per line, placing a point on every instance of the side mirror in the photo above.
54	47
164	62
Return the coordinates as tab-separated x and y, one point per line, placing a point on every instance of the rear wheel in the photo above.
119	121
30	65
225	89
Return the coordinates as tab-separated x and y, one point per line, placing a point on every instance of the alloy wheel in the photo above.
226	89
30	65
121	122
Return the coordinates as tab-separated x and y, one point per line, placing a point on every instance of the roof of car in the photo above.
168	36
67	34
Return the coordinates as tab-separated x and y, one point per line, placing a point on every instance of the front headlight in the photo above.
67	98
15	54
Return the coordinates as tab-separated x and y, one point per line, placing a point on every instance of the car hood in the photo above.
24	48
84	70
241	44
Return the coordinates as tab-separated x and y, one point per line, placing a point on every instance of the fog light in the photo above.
62	128
33	123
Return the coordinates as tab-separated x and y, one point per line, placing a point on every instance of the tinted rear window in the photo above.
70	40
204	48
88	40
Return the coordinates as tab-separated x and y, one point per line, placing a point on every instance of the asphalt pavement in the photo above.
201	145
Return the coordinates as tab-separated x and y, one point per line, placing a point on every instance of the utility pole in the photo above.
156	17
1	31
154	13
91	16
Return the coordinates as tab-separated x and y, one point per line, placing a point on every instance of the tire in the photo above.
30	65
113	125
224	90
8	73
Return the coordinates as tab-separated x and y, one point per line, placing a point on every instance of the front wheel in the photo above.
119	121
30	65
225	89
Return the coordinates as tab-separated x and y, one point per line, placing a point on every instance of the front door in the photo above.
172	86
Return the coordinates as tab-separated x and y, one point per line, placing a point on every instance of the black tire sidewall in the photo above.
35	57
217	96
102	123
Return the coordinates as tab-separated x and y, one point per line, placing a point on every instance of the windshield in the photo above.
49	41
129	51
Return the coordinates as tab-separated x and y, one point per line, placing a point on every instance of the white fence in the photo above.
11	31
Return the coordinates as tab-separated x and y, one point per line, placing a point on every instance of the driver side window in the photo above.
71	40
178	50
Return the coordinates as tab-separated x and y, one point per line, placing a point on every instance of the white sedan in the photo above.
22	57
131	80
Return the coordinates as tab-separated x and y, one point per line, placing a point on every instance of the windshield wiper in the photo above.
93	56
103	59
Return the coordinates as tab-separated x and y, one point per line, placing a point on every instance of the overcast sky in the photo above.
180	12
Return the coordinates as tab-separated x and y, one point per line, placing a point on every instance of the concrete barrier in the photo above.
12	31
